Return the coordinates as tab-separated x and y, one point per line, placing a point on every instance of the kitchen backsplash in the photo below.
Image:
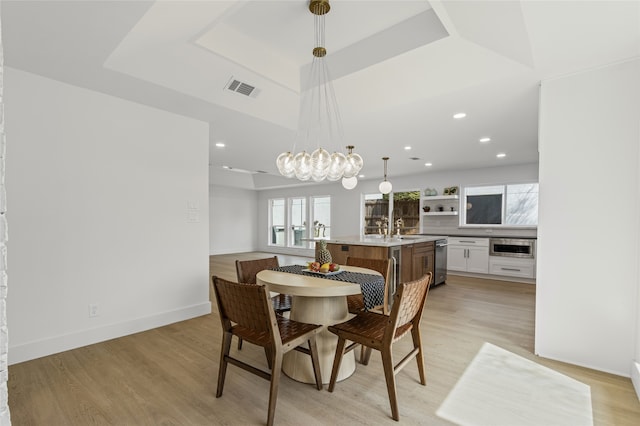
482	232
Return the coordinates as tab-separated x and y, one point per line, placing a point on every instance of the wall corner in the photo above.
635	377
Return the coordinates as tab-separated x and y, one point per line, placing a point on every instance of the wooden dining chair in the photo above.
379	332
246	271
355	302
246	311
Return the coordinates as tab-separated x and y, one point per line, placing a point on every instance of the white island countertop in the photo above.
381	241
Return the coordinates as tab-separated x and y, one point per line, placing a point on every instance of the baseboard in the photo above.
300	252
231	251
493	277
53	345
635	378
579	364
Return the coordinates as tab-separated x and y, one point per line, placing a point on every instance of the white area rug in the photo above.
500	388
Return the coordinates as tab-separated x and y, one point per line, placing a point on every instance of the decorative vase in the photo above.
323	256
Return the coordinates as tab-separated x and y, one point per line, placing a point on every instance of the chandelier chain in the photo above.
320	124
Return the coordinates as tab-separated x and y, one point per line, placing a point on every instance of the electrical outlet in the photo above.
93	310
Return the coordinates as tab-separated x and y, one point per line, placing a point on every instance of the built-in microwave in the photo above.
513	247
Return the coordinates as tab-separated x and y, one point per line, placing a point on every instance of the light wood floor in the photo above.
168	375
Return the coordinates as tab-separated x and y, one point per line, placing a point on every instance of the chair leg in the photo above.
387	364
366	355
273	390
222	370
239	343
269	355
417	343
315	361
337	360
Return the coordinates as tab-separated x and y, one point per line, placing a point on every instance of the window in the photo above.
406	212
298	219
321	217
522	204
276	222
501	205
376	214
289	219
385	214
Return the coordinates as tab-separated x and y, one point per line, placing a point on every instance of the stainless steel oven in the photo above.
513	247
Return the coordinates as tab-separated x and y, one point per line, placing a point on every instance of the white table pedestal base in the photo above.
325	311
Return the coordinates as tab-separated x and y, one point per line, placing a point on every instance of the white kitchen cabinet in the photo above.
512	267
456	258
468	255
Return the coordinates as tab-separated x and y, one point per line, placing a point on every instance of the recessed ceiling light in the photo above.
220	145
459	115
428	164
407	148
483	140
226	167
501	155
360	176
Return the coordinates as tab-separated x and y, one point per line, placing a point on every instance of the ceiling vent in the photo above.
242	88
237	170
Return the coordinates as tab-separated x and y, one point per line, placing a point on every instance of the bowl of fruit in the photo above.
323	269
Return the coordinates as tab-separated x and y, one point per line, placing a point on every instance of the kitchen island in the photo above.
382	241
412	255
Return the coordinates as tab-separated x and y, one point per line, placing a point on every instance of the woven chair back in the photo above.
410	300
356	302
247	305
248	269
379	265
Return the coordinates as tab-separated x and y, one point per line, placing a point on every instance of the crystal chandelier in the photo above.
320	124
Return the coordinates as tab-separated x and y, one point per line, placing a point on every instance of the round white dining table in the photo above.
321	301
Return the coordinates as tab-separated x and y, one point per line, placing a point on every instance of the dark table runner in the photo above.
372	286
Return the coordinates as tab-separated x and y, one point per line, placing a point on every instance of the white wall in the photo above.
108	206
635	368
5	416
346	205
587	301
233	220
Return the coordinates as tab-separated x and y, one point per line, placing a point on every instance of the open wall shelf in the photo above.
440	197
449	213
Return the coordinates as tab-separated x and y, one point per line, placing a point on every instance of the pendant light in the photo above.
385	186
352	166
320	122
349	183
